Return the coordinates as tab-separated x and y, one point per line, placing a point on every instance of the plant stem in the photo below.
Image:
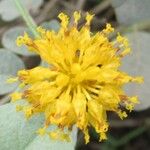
114	143
131	135
27	17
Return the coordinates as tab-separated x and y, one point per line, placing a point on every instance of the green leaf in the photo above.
131	11
137	64
12	14
17	133
51	25
45	143
117	3
9	41
4	86
9	65
44	64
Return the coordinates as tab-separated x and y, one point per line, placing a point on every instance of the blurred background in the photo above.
130	17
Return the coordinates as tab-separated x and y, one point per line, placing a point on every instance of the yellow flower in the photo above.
83	81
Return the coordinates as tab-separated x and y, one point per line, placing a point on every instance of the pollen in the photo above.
83	81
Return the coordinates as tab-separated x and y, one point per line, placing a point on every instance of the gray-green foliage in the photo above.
131	12
46	144
17	133
44	64
51	25
117	3
9	65
9	12
4	86
138	64
9	41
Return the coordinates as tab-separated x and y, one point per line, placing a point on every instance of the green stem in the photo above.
115	143
27	18
131	136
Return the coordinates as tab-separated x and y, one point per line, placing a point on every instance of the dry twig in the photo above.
100	7
5	100
45	10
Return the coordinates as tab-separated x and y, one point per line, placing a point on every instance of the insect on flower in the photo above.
83	81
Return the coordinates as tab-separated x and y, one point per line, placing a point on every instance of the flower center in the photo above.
76	74
75	69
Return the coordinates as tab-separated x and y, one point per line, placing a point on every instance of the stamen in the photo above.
89	18
92	90
77	17
86	94
64	20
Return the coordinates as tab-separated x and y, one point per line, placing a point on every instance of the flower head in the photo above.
83	81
